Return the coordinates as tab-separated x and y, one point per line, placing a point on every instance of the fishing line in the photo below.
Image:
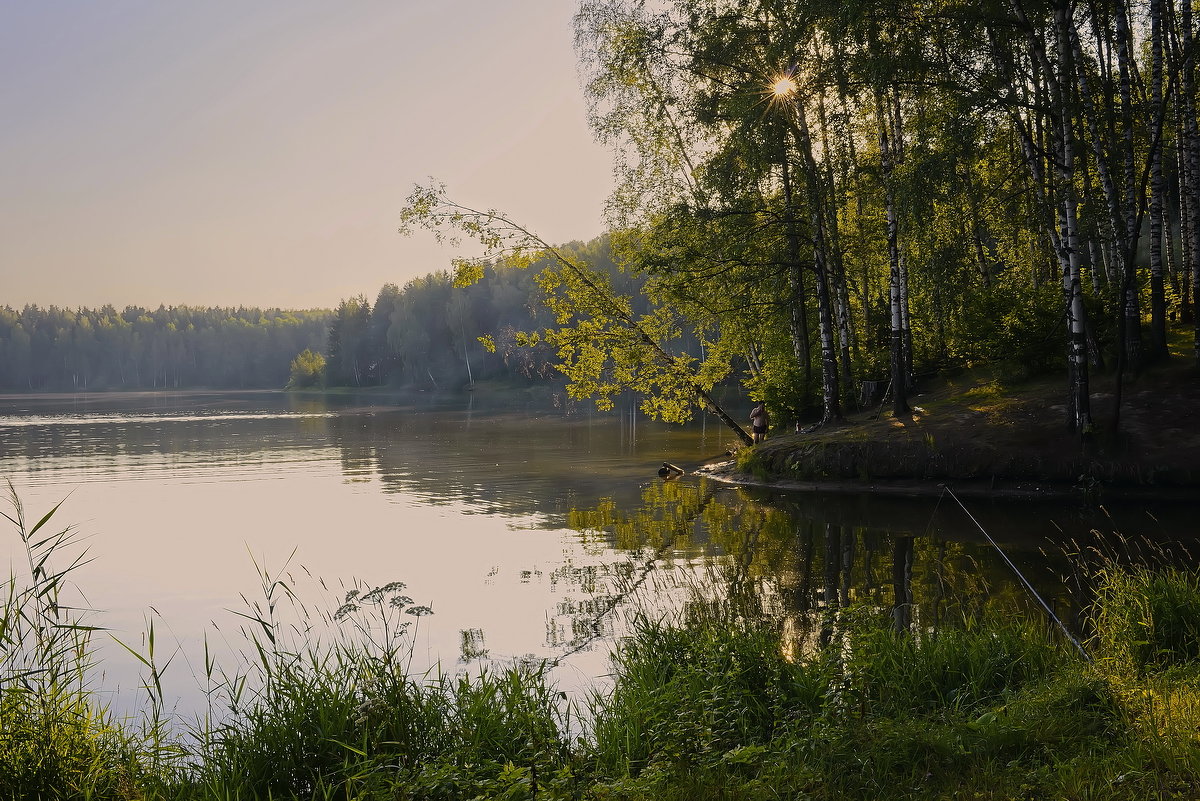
1020	575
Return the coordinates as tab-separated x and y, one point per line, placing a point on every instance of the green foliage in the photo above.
1018	334
606	343
902	146
308	370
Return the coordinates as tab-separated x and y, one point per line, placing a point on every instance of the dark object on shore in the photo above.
669	472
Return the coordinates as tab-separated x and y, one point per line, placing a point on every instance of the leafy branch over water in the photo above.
605	347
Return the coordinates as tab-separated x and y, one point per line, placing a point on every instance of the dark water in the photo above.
530	532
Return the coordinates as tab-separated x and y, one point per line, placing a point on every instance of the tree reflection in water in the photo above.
691	551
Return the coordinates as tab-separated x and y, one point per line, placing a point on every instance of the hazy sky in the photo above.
257	153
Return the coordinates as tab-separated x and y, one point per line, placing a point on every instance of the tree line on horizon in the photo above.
434	334
56	349
425	335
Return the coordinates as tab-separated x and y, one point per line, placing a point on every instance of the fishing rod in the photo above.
1020	575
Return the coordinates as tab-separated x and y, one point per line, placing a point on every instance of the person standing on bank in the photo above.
759	420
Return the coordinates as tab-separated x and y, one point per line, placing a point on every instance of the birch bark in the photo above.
895	260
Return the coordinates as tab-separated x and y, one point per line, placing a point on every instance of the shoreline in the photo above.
727	473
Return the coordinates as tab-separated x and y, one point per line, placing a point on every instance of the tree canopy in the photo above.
857	191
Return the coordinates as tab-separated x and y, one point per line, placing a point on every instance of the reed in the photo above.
707	704
330	707
57	740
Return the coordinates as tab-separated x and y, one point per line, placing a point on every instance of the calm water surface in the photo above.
529	532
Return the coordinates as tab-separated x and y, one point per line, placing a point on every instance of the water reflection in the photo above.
701	549
529	531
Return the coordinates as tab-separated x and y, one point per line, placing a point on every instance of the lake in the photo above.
531	530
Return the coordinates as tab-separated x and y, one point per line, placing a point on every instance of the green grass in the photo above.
56	740
708	706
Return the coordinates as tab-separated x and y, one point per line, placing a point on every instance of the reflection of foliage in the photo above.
767	560
657	521
666	517
472	645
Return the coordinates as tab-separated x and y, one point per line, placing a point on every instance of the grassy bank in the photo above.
987	430
710	705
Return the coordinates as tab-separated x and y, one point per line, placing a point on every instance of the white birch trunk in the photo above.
830	395
798	313
1158	302
895	295
1079	404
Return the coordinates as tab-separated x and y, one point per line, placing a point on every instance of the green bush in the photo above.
308	370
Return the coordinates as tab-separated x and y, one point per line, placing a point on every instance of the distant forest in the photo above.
176	347
429	332
426	334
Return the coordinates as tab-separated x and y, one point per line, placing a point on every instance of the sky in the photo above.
220	153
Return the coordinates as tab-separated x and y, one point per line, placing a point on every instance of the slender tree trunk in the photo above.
845	331
905	316
1079	404
796	307
976	229
1183	166
830	395
1170	258
906	328
1191	148
1133	316
1096	257
1158	300
837	265
895	294
1059	78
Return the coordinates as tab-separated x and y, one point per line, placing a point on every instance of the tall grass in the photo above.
1147	638
57	741
330	708
686	695
1148	619
706	705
